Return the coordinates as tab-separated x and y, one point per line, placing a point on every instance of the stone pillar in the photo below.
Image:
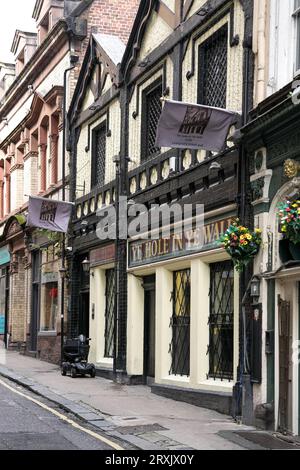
54	157
7	187
43	167
1	199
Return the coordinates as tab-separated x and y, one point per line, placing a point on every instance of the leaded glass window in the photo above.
99	156
180	323
213	56
109	313
221	321
152	108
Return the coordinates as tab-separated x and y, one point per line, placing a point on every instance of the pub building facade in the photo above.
31	163
272	142
178	304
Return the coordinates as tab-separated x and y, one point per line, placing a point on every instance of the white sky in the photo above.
16	14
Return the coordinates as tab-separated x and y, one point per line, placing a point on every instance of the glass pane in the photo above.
49	306
181	324
153	107
109	313
298	42
221	321
213	69
99	156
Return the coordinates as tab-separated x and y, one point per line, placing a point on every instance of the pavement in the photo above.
131	414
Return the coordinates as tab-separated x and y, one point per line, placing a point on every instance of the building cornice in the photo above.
45	52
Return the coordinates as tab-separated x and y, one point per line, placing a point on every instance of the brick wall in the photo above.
17	313
114	17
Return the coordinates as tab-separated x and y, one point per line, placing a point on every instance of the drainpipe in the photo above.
73	59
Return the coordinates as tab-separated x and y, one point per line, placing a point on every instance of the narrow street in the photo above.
27	425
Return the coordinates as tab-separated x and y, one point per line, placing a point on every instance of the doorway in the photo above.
285	373
84	323
35	308
149	329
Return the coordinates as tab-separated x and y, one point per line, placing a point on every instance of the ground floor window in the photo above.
180	323
109	313
49	306
221	321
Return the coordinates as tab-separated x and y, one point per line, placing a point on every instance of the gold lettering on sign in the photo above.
199	239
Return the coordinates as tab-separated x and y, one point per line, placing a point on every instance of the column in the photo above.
200	285
43	167
54	157
135	326
7	187
163	331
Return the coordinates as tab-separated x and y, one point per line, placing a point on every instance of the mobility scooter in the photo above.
75	358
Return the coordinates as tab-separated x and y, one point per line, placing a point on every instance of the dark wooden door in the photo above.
35	307
284	308
149	345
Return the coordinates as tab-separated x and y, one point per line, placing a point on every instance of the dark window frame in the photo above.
221	323
109	313
181	323
296	15
145	154
102	127
202	69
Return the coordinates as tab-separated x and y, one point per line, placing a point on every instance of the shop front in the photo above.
273	144
4	293
183	316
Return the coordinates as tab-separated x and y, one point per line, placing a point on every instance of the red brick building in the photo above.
31	131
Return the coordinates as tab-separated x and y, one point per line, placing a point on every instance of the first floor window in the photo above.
180	322
297	19
150	116
109	313
221	321
49	306
99	155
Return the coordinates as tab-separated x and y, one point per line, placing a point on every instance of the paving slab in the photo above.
108	406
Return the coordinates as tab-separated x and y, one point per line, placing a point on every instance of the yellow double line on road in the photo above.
64	418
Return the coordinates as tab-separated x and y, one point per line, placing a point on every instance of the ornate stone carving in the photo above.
291	168
257	188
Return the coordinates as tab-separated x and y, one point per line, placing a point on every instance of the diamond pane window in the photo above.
109	313
297	19
99	156
152	108
221	321
213	54
180	322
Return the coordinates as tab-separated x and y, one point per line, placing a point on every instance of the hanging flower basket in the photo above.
241	244
289	220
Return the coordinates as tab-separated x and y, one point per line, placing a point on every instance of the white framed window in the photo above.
296	15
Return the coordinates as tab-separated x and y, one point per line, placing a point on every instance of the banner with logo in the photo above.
194	126
49	214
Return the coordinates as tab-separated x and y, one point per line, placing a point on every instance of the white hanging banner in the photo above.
49	214
194	126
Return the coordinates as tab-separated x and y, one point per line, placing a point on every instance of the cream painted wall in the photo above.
235	63
199	330
83	174
135	326
135	124
156	33
197	4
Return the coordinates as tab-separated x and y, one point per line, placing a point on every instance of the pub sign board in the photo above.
143	252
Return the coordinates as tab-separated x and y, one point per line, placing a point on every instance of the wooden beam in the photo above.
166	14
186	8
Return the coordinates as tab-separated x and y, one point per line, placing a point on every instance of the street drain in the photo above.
136	430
